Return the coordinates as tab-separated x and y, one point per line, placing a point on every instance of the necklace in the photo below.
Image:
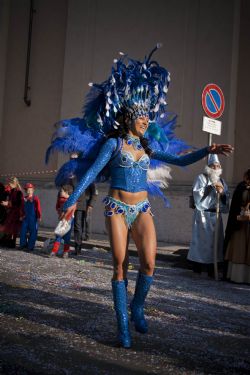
135	142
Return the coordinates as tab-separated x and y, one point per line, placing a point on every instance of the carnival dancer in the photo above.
31	216
125	119
205	189
13	205
62	197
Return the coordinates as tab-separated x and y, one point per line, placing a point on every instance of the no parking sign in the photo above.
213	103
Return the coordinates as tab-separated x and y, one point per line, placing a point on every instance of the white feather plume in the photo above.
160	175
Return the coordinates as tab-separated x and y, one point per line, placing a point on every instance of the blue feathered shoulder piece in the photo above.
74	135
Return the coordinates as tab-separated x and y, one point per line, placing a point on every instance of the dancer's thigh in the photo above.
118	236
143	233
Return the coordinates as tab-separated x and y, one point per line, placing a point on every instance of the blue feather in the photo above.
154	190
161	137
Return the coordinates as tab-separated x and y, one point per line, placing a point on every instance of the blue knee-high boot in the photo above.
120	304
142	287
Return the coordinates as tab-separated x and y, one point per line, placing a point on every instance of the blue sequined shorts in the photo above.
130	211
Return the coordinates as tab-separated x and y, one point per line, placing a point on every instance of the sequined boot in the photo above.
120	304
143	284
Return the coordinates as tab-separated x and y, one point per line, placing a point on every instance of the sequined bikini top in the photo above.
126	159
127	173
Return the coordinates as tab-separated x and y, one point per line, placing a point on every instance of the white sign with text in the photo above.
211	125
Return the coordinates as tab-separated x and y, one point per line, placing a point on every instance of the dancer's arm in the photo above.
100	162
192	157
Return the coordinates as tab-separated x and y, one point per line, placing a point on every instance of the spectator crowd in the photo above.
20	215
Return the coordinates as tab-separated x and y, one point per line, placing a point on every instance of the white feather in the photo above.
156	108
165	88
160	175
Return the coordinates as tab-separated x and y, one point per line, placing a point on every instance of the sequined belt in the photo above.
130	211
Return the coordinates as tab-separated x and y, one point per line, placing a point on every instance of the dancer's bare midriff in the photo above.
128	197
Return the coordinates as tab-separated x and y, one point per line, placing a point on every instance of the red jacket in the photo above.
59	203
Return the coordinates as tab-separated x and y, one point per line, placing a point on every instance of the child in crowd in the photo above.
63	195
31	215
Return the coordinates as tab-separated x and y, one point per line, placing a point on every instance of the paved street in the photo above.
57	317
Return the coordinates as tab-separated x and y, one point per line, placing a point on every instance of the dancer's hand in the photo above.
220	149
68	213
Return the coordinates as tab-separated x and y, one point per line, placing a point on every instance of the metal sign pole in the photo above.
210	135
210	140
216	236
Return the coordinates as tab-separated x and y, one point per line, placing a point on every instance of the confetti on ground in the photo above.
57	317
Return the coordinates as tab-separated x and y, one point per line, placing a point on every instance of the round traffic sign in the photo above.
213	101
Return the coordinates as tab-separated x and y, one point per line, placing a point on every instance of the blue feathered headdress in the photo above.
135	87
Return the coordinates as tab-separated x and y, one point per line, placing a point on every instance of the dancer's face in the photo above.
139	126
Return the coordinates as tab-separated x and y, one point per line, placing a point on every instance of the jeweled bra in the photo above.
127	173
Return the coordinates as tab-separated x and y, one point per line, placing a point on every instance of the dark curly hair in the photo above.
123	130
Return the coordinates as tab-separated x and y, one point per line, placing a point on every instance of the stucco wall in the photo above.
242	124
26	131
